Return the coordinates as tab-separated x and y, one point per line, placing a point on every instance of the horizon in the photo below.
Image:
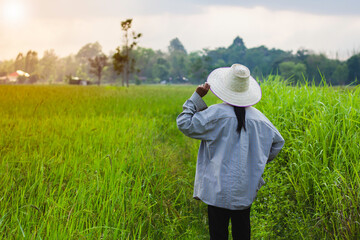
329	54
326	27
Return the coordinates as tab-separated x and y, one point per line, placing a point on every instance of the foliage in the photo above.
48	65
109	162
6	67
97	65
19	62
293	71
160	70
90	50
21	79
196	67
67	66
123	60
312	188
176	47
176	65
340	75
353	64
145	59
318	65
31	62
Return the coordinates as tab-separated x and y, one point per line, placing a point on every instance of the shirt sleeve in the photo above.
193	121
277	144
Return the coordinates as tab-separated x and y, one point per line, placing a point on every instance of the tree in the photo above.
196	68
353	64
178	60
302	53
212	57
160	70
340	74
32	66
66	68
97	65
178	67
314	64
6	67
292	71
176	46
145	59
123	60
48	65
90	50
31	62
236	51
109	74
19	62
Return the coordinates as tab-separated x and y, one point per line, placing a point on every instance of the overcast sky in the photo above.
323	26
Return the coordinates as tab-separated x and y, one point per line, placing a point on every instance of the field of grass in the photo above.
109	163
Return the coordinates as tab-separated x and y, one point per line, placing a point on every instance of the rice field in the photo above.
89	162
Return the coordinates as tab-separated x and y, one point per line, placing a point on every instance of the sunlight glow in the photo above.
13	11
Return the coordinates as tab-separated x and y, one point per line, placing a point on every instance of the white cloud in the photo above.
218	26
214	26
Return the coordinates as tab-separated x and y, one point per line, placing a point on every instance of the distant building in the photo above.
13	77
78	81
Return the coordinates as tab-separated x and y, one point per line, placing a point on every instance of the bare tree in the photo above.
123	60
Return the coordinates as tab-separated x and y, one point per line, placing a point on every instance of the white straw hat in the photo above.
235	86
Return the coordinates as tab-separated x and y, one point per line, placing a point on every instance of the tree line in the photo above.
134	64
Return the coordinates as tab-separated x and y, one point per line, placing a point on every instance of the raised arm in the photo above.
193	121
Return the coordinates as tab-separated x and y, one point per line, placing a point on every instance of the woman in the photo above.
237	142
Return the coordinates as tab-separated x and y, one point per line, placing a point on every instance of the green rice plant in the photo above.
312	189
90	163
109	162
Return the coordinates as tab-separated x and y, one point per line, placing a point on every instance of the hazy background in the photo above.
330	27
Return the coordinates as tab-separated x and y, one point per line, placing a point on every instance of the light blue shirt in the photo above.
229	165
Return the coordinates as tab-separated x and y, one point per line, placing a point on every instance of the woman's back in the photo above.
230	164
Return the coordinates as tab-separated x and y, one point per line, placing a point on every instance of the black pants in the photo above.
219	223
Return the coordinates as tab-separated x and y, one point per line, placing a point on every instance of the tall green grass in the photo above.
109	162
93	162
313	187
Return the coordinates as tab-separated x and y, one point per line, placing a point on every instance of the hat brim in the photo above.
218	85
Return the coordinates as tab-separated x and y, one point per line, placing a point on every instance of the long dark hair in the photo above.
240	115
